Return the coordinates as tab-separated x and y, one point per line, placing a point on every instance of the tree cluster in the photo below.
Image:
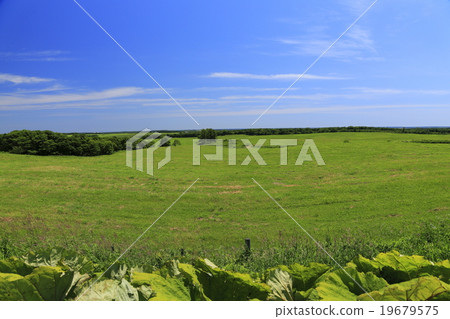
51	143
207	133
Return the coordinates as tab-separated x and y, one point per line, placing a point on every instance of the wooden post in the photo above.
247	244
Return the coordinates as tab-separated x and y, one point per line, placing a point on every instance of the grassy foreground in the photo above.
377	191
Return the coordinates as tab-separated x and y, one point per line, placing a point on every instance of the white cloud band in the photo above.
288	76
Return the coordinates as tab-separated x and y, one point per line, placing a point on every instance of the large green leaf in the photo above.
189	274
281	283
329	291
344	285
440	269
79	282
44	283
49	257
59	257
145	292
77	263
303	277
172	268
422	288
52	283
15	265
109	290
357	282
116	272
445	296
14	287
396	268
220	284
163	289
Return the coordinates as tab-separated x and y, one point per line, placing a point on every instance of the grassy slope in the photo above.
374	186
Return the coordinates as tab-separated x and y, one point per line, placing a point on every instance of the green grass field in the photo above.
375	189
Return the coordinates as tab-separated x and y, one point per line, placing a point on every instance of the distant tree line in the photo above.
286	131
51	143
85	144
77	144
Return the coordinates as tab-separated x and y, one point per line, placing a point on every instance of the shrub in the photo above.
176	142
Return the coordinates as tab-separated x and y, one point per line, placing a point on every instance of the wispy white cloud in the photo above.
317	110
20	79
52	88
257	98
238	88
289	111
18	101
356	7
58	97
250	76
386	91
348	94
356	44
250	103
44	56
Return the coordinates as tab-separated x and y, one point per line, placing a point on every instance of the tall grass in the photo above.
432	242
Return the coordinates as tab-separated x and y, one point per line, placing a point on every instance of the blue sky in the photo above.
225	62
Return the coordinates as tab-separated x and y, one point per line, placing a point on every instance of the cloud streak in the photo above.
59	97
290	111
288	76
381	91
357	43
318	110
20	79
43	56
17	101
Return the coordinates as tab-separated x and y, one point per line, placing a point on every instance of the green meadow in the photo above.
377	191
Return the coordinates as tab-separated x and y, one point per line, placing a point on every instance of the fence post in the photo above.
247	244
